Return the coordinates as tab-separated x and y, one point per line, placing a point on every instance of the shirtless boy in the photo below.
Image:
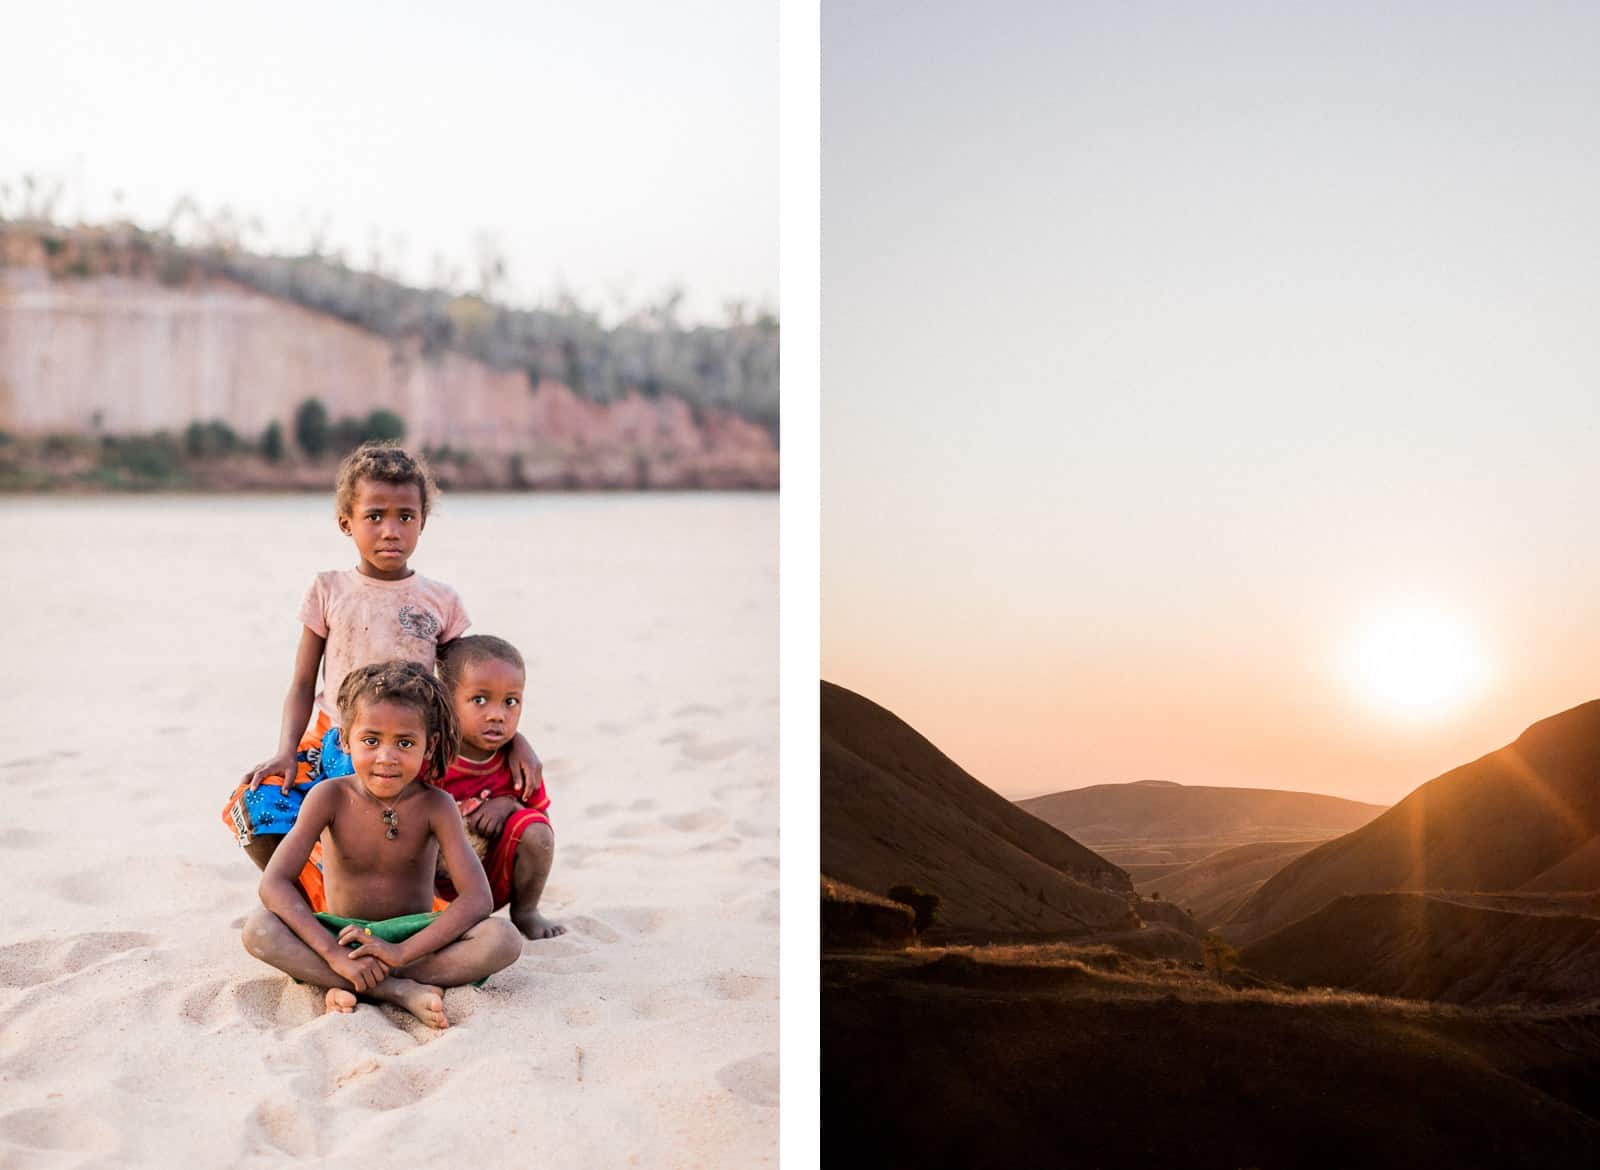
383	831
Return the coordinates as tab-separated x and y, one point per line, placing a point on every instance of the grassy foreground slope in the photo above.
1455	948
1005	1059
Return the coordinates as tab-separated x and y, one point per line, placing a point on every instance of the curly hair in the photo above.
386	461
414	685
455	657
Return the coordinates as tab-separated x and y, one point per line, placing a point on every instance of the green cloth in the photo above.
392	930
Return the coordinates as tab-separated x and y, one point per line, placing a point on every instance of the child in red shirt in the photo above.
507	823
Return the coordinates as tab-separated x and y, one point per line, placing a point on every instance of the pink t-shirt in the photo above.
365	619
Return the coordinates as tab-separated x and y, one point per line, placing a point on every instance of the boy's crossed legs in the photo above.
489	946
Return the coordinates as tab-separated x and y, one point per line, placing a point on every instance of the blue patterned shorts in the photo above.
273	810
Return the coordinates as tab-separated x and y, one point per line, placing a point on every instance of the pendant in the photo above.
392	819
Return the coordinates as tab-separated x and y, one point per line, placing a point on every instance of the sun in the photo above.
1415	661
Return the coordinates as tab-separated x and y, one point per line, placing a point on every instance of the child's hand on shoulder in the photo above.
285	764
527	769
491	816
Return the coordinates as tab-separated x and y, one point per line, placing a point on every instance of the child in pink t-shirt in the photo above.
379	611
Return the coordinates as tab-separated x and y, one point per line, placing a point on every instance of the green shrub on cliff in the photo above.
272	442
205	440
384	424
311	427
140	461
381	425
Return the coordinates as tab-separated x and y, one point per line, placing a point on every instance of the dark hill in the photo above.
1466	948
1509	819
896	810
1215	886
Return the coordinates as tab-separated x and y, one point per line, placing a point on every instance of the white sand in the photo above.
150	645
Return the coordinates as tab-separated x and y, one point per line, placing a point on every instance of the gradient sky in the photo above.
1165	345
615	148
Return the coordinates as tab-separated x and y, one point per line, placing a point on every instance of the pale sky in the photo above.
1166	347
615	148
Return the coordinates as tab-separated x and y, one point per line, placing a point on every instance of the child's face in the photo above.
388	744
385	520
488	703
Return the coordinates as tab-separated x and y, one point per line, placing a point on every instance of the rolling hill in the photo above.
896	810
1155	820
1525	816
1215	886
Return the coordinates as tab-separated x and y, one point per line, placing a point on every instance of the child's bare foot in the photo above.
535	925
339	1000
422	1000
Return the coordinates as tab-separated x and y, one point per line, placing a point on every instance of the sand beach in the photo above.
150	642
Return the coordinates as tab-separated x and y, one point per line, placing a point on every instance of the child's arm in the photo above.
296	713
281	895
527	770
473	901
491	816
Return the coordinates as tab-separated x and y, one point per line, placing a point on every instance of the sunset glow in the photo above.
1416	661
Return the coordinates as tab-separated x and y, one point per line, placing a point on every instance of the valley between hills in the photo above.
1155	974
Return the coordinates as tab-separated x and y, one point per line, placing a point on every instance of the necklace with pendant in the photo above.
391	818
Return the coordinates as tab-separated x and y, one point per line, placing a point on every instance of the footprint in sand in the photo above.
90	887
720	845
768	865
288	1126
637	829
738	985
592	928
644	805
756	829
561	947
636	919
21	839
762	907
274	1001
25	762
392	1087
709	751
201	1004
54	1127
595	811
355	1072
690	822
27	964
611	728
662	1004
754	1079
695	709
576	966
